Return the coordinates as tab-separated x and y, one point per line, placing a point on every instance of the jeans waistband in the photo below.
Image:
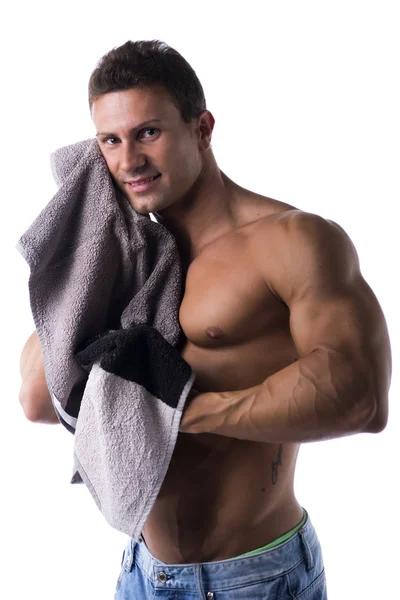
265	565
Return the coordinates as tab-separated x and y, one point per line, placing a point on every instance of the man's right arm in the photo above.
34	395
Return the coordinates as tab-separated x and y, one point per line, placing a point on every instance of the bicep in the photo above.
349	332
317	275
345	320
332	308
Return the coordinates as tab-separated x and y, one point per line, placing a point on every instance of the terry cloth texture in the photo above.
105	288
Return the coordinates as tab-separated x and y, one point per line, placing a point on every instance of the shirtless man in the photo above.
287	341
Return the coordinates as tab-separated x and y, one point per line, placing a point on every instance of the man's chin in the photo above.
141	210
143	206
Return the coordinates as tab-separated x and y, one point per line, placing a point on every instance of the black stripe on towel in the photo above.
141	355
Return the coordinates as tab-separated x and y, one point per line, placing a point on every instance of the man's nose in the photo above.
131	157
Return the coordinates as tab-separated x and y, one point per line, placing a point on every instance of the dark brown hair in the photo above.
146	64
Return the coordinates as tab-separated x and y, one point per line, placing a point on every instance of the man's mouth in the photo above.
142	184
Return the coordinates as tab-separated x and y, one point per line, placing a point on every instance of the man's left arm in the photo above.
339	385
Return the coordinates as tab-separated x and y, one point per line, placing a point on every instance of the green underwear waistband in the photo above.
278	540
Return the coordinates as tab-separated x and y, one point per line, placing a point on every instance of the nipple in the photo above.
215	332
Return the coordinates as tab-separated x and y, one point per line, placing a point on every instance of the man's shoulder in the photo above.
294	227
267	215
293	247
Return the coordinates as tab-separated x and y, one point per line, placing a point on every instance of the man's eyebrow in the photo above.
133	128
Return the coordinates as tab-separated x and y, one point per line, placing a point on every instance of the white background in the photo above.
306	101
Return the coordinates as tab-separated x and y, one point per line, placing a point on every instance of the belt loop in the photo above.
129	557
307	550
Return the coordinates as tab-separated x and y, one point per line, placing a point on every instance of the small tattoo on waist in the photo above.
276	463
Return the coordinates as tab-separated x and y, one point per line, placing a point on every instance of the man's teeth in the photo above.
144	180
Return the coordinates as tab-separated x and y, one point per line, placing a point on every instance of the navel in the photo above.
215	332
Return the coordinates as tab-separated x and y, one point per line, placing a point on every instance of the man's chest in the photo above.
226	300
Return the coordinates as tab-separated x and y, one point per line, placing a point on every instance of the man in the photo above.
287	341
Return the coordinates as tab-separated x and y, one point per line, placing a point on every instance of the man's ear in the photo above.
205	128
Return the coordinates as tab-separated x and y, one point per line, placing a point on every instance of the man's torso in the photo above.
222	496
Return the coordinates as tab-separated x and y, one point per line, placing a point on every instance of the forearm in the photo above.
318	397
34	395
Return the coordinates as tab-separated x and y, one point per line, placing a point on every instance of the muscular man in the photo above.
287	340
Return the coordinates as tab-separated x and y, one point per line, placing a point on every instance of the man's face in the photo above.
142	135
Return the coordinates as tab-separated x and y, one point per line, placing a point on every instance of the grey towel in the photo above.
105	289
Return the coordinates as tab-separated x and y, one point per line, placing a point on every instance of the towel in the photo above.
105	288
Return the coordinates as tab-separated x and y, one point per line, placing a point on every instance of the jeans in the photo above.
293	570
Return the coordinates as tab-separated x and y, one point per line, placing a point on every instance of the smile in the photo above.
143	184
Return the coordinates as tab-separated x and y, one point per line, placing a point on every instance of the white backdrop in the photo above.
306	100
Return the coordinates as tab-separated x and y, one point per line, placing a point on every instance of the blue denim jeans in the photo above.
293	570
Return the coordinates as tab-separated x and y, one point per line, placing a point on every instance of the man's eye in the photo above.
149	132
111	140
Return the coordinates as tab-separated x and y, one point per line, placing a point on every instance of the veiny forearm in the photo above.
318	397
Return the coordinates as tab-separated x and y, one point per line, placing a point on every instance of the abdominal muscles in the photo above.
221	496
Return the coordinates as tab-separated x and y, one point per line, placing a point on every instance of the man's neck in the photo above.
208	213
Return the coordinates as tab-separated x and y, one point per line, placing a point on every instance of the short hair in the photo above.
145	64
